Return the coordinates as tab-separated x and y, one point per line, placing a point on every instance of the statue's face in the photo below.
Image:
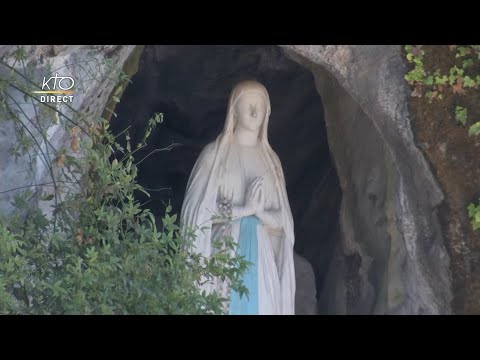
250	111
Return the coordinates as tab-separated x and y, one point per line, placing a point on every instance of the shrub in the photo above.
99	251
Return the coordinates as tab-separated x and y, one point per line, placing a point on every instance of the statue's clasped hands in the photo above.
254	200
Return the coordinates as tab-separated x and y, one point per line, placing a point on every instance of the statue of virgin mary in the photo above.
239	174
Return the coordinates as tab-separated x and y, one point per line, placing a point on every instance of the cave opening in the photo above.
190	86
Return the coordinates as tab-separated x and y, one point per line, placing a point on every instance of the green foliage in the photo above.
415	56
468	82
433	84
461	115
474	214
474	130
460	78
99	251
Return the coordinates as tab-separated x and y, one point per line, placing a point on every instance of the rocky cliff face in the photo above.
453	156
389	257
87	65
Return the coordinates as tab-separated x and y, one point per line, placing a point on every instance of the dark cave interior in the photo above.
190	86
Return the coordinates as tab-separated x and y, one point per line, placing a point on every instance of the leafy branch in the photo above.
101	252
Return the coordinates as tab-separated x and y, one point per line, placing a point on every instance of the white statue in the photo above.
240	174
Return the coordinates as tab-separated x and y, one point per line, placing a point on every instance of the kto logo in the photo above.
60	86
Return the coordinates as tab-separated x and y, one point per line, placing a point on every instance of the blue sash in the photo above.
248	248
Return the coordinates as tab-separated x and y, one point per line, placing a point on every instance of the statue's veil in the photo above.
201	194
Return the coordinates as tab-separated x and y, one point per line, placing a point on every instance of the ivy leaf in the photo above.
417	92
468	82
417	50
461	115
458	87
474	129
452	79
472	209
467	63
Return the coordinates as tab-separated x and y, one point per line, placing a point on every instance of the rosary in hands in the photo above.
254	200
225	203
